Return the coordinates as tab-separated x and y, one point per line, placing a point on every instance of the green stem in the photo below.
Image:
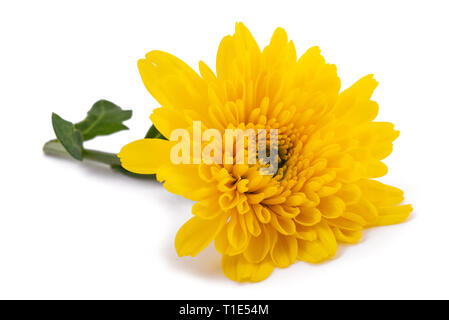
100	156
55	148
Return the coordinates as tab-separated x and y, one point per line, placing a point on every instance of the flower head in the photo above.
329	149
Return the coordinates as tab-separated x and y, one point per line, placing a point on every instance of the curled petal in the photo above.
332	207
283	225
347	236
262	213
308	216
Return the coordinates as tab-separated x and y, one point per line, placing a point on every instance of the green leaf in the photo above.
154	133
103	118
70	137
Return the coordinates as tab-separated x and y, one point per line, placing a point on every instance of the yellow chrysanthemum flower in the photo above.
329	147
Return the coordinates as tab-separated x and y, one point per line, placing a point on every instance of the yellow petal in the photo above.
377	138
175	86
305	233
315	75
350	193
145	156
308	216
346	223
262	213
206	72
237	232
354	105
375	169
280	51
365	209
207	208
166	120
163	74
258	247
332	207
393	215
222	245
252	224
347	236
233	239
237	268
318	250
240	49
184	179
380	194
284	251
196	234
282	224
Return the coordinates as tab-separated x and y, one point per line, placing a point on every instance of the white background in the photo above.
79	230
